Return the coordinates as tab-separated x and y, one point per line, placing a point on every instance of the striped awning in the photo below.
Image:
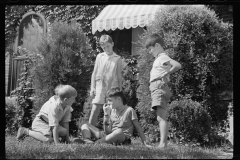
124	16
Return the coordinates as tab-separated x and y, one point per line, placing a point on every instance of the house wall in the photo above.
7	62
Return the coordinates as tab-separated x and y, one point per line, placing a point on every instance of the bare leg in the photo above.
163	125
116	136
94	113
88	130
39	136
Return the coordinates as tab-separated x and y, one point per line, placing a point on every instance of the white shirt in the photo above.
107	69
53	111
161	65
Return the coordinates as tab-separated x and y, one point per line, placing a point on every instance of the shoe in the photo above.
78	140
88	141
22	131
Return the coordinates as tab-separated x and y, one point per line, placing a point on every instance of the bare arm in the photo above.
175	66
55	135
107	129
93	78
66	126
140	131
119	73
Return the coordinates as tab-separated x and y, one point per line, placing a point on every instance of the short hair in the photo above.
65	91
116	92
153	39
105	38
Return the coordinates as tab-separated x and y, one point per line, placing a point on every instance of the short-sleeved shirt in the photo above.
161	65
124	120
53	111
107	69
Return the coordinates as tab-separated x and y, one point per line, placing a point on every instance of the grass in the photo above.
33	149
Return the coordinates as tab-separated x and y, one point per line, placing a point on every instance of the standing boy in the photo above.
163	66
107	73
53	119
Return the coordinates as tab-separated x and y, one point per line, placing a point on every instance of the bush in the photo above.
202	43
64	57
189	121
10	114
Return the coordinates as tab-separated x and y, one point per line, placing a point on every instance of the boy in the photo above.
163	66
107	73
53	119
122	120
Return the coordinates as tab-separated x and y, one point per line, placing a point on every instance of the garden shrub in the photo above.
202	43
189	121
64	58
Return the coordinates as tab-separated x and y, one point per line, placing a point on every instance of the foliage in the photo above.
202	43
10	114
65	59
81	14
189	121
23	93
13	17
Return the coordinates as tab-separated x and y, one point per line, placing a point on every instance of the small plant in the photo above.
10	115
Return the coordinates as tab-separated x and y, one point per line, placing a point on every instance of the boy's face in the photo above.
113	101
69	101
107	47
154	50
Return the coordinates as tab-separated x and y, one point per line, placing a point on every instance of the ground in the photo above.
32	149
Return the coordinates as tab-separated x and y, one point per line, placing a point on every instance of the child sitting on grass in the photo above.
118	123
53	119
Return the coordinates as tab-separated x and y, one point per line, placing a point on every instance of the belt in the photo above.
43	119
157	79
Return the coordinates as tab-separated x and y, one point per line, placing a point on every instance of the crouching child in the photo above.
53	119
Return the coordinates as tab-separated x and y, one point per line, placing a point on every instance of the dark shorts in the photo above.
160	94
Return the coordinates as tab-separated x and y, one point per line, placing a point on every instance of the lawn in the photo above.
33	149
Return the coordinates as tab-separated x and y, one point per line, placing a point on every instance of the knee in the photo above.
63	132
119	133
84	126
160	119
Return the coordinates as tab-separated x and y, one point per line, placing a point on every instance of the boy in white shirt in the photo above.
107	73
163	66
53	119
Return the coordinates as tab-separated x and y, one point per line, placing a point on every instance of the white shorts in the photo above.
101	91
41	126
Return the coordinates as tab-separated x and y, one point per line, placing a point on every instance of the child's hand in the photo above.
92	92
106	109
